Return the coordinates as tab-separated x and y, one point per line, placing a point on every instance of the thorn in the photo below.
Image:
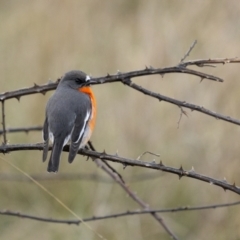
18	98
43	92
162	75
184	112
124	165
234	185
35	85
108	75
192	169
181	174
161	164
146	67
201	79
50	81
150	67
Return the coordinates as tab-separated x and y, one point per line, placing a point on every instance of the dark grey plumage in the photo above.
67	114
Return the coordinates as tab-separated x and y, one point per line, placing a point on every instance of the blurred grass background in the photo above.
41	40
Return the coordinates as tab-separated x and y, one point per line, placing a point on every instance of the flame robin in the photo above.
70	116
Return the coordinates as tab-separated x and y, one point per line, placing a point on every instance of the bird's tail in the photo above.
54	160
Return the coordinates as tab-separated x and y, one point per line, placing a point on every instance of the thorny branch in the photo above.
126	79
132	162
178	103
101	158
119	180
117	215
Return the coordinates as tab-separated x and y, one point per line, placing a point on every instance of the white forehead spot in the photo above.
87	78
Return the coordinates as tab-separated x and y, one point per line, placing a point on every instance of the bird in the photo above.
70	116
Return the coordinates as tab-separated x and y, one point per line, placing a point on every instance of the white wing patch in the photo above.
51	136
84	125
66	140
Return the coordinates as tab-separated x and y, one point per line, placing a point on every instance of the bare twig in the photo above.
90	145
117	215
4	124
21	129
126	79
118	179
131	162
151	153
101	164
178	103
102	158
180	117
28	91
207	62
49	220
133	74
188	52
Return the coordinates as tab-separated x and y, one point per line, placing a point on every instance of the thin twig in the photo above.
133	195
21	129
108	165
28	91
117	215
178	103
188	52
131	162
133	74
4	124
101	164
180	117
151	153
207	62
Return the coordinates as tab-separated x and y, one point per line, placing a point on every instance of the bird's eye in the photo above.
78	80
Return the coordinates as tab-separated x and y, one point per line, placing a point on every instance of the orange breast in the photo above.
88	90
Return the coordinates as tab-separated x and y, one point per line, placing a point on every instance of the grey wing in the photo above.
46	139
77	134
